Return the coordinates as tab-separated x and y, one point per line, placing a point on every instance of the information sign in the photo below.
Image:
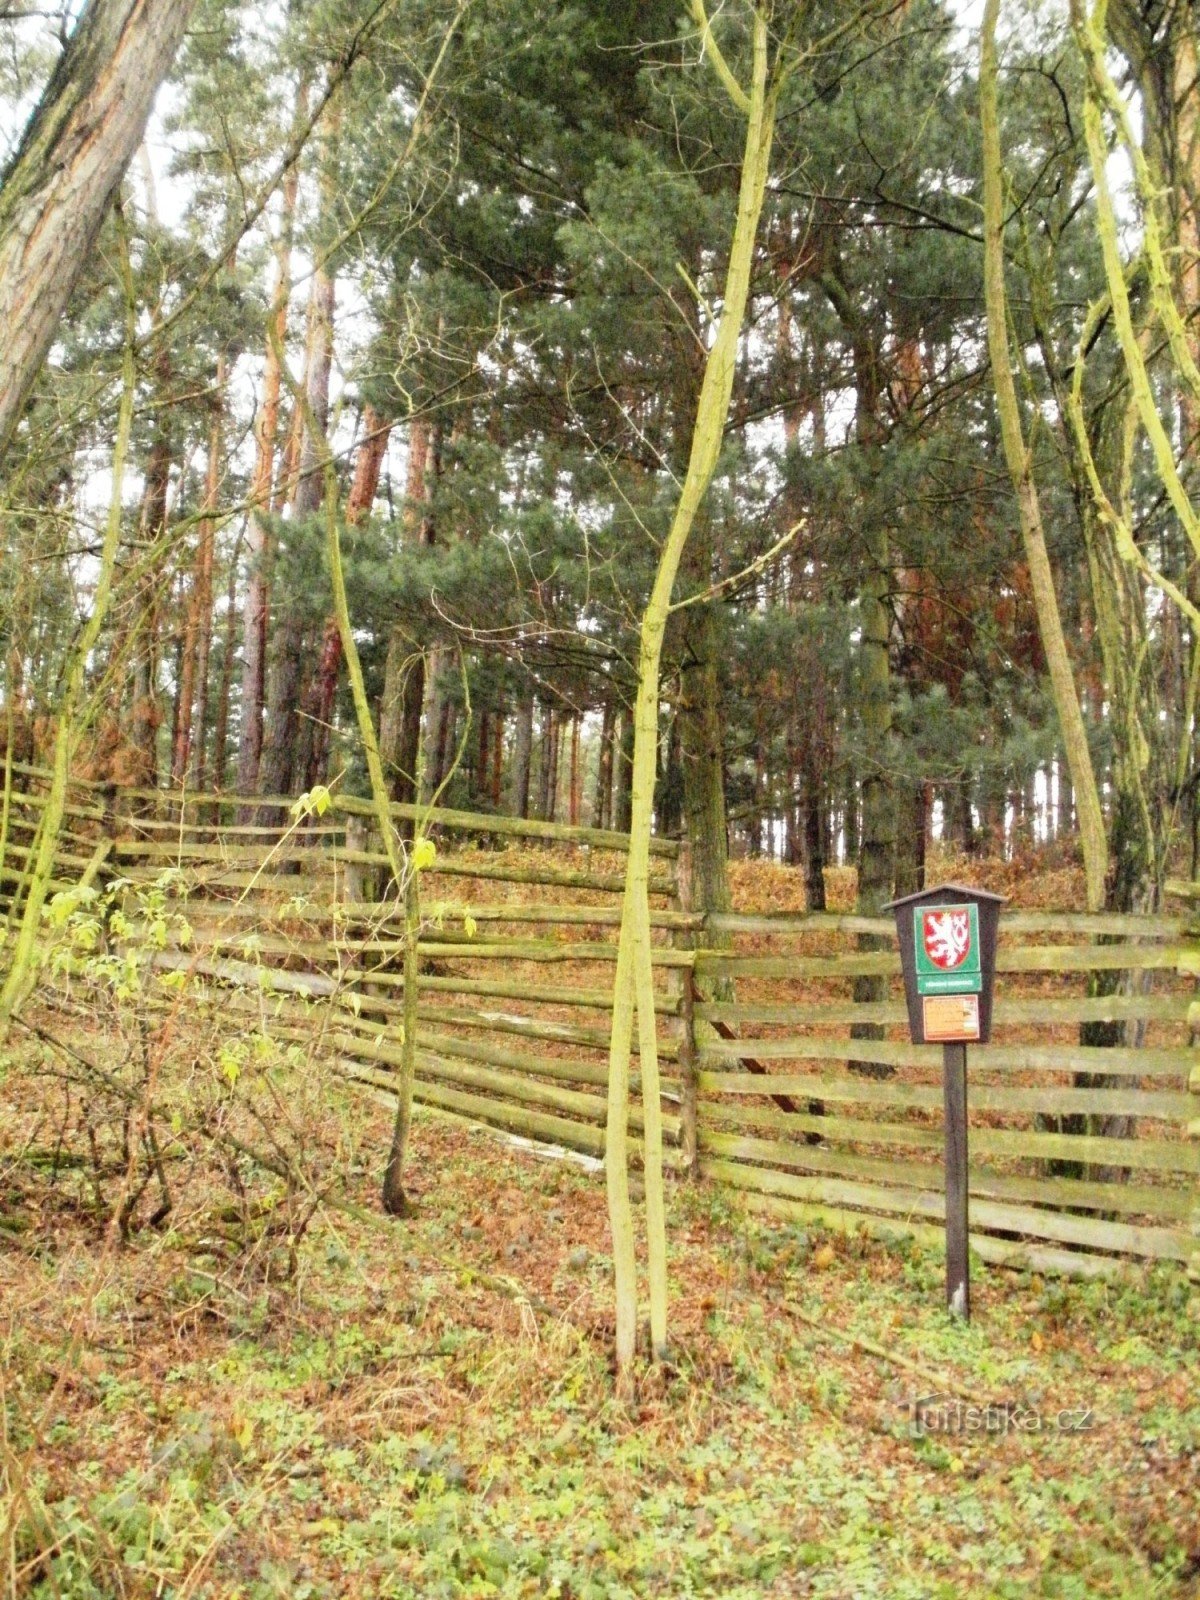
947	949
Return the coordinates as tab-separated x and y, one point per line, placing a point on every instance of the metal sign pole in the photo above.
958	1272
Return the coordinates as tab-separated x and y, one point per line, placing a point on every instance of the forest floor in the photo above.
425	1407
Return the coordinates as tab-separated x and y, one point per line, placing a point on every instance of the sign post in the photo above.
948	955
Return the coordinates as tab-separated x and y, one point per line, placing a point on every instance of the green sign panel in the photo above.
946	941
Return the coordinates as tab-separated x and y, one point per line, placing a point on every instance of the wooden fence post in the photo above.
355	872
686	1021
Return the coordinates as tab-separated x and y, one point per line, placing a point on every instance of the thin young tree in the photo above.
633	979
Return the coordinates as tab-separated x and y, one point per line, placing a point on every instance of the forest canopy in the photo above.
481	249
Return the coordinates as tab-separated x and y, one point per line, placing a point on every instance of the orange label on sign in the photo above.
951	1018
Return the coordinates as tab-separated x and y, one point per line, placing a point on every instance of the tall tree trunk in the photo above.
1020	467
220	759
624	775
397	670
73	154
876	845
960	824
701	733
479	768
545	750
408	762
145	711
877	809
554	761
179	643
668	815
286	736
603	787
793	820
438	769
850	816
404	683
614	764
1066	800
912	825
184	677
497	756
322	696
522	753
191	729
204	576
576	781
428	686
814	837
266	430
1147	773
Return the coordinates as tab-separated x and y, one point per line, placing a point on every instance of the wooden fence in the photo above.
517	945
808	1121
1080	1155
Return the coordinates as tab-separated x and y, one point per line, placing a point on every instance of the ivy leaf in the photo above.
316	800
424	854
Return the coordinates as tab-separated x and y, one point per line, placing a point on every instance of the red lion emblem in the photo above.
947	937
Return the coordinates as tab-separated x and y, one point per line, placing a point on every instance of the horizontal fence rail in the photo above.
813	1104
781	1082
288	918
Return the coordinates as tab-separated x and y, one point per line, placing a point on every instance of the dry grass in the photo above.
187	1414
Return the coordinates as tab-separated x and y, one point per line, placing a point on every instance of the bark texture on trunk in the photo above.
624	778
285	752
220	757
145	710
58	185
814	838
266	431
701	735
322	691
497	756
552	764
192	722
545	752
877	822
522	753
603	786
404	684
573	813
912	827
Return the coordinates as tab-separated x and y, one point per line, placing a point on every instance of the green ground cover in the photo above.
425	1408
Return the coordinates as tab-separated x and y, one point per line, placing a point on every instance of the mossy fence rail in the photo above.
778	1083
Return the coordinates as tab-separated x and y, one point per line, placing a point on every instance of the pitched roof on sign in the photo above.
942	891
